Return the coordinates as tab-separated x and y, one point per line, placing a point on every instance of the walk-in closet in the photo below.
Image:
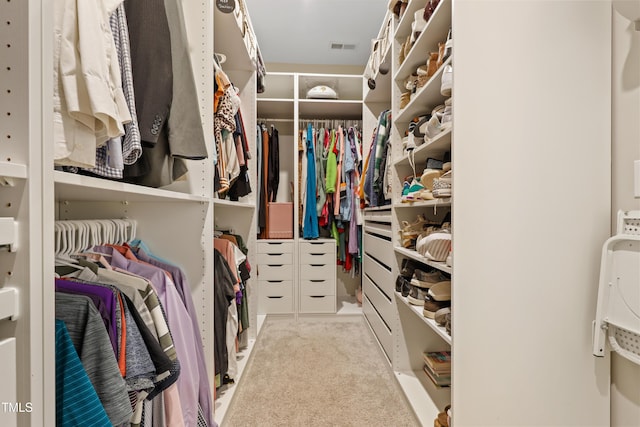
248	213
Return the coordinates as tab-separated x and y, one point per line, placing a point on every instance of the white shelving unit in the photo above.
498	179
285	106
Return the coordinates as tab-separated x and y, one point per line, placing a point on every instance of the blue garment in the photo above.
77	403
310	225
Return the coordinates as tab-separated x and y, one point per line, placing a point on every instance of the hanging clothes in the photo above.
310	227
273	166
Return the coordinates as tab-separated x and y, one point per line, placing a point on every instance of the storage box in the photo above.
280	220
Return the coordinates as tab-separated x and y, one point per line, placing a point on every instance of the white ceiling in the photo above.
301	31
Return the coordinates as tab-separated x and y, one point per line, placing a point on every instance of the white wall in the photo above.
625	392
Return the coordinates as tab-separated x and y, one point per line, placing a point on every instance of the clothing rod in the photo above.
276	120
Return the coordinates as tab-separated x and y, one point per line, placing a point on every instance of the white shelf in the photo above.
437	147
274	108
13	170
224	203
69	186
347	86
423	402
425	99
378	208
435	31
229	41
329	109
278	86
381	94
445	201
417	309
403	27
417	257
225	397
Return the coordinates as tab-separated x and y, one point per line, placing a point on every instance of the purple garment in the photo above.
353	227
106	306
179	324
182	285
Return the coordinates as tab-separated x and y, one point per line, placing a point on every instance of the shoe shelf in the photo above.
403	27
417	309
239	56
409	253
425	98
435	31
425	399
13	170
438	146
445	201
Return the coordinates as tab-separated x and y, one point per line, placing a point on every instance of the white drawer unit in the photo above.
275	247
383	305
381	274
317	287
276	276
317	284
318	304
276	288
275	304
379	247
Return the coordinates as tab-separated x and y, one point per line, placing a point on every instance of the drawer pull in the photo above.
317	243
316	254
317	280
275	281
274	243
274	297
275	265
317	265
317	296
274	254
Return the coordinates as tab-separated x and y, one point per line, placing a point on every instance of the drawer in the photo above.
317	271
317	304
383	305
274	247
269	304
381	228
380	275
318	287
318	246
379	248
275	258
317	257
275	288
380	329
275	272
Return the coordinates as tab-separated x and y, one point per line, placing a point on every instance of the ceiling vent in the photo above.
342	46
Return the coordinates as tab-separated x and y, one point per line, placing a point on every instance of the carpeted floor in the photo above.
318	372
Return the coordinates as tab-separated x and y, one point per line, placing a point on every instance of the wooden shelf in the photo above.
329	109
229	41
224	203
272	108
403	27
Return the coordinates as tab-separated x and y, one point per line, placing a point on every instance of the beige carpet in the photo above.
318	372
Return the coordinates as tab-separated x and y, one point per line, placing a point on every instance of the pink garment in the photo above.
340	146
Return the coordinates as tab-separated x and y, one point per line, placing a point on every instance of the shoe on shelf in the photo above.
449	260
417	295
448	47
408	267
404	99
414	190
441	315
442	185
435	246
432	64
428	175
431	306
447	80
434	126
441	291
404	285
418	25
427	279
443	419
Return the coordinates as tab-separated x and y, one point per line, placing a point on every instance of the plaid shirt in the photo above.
111	158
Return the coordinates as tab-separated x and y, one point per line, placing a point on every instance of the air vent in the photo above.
343	46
